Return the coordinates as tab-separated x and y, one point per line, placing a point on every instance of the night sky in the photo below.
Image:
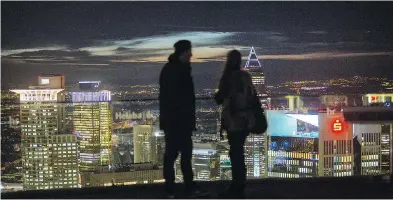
128	42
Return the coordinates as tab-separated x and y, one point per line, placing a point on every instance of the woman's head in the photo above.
234	60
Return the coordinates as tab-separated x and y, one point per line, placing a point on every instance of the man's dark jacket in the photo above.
177	97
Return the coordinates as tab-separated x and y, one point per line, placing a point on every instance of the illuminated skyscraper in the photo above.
91	117
368	149
254	147
205	163
309	145
292	150
386	148
254	150
336	155
254	67
333	144
295	103
372	129
144	148
159	143
47	156
64	148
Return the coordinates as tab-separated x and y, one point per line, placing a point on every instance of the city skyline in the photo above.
119	43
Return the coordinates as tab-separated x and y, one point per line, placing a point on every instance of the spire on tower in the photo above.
253	60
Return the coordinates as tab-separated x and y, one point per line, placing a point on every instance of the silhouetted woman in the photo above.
235	92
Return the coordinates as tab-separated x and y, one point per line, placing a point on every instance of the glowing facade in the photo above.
144	147
91	117
254	67
295	103
336	154
292	150
255	144
49	159
141	173
254	150
368	149
304	145
372	130
377	98
205	162
386	148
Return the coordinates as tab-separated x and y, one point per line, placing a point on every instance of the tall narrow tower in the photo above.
254	67
255	144
92	124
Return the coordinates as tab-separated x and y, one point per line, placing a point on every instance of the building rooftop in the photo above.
365	187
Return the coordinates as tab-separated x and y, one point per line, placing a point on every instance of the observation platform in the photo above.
355	187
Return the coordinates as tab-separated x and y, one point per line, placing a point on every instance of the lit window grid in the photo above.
92	121
125	178
295	164
51	163
370	153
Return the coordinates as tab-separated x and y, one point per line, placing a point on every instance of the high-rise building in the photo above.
386	148
255	145
254	150
336	155
91	116
144	148
122	149
159	143
292	150
254	67
205	163
372	128
309	145
47	156
64	159
367	148
294	103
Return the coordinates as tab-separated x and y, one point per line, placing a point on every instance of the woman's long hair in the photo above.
234	60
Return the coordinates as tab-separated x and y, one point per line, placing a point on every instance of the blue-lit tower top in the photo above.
253	61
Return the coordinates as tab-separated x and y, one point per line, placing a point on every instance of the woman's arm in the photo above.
222	93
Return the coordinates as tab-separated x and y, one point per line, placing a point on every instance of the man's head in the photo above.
183	50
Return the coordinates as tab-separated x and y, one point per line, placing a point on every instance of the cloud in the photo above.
207	47
57	57
18	51
52	53
318	32
321	56
163	43
82	64
277	38
200	55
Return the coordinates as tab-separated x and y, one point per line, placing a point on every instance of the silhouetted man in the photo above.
177	115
